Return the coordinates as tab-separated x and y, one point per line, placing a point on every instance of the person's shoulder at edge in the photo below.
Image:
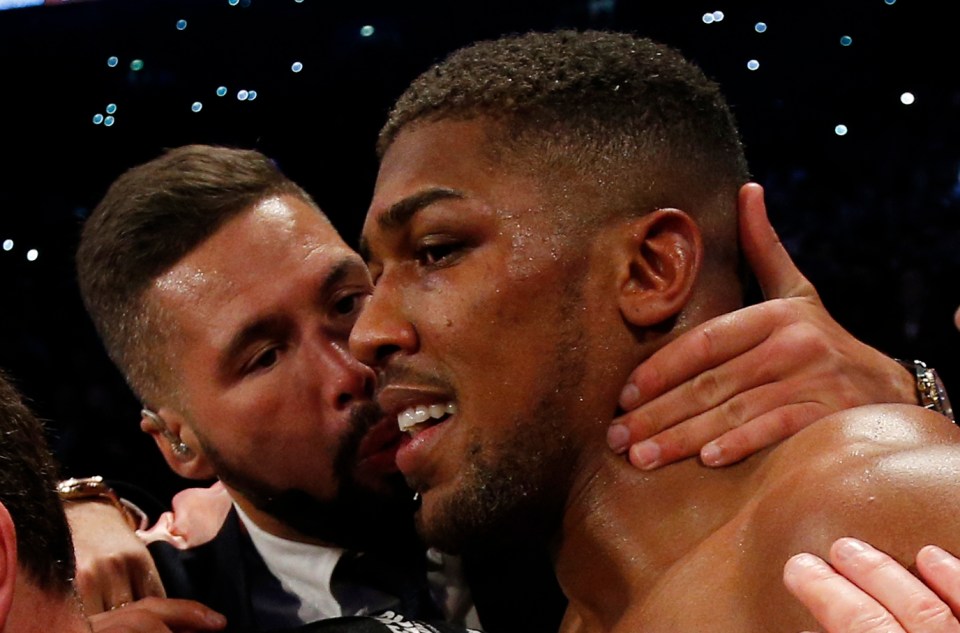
885	474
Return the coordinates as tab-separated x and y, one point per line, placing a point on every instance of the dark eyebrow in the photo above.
264	326
400	212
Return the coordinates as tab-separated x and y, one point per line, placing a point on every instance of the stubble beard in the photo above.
356	518
512	492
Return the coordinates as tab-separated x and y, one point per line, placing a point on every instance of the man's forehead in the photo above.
439	160
278	234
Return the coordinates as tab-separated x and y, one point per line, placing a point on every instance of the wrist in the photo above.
94	489
929	390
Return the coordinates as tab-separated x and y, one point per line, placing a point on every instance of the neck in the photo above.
269	523
623	529
36	611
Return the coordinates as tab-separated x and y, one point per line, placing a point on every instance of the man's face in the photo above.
261	313
476	316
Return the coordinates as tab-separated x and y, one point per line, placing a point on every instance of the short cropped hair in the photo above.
150	218
28	481
626	113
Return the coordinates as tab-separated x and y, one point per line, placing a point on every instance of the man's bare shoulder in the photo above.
857	442
857	463
884	473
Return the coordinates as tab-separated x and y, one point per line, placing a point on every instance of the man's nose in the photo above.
382	330
345	379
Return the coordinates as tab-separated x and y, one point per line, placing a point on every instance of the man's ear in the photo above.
177	443
664	255
8	564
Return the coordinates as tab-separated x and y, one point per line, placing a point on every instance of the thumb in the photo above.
779	277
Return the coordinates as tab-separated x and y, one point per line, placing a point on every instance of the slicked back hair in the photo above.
631	119
150	218
28	479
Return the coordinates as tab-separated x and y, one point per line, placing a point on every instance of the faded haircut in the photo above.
150	218
28	481
632	121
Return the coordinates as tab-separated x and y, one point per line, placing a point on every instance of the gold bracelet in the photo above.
94	489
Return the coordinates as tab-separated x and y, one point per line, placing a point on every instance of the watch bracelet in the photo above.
97	490
931	392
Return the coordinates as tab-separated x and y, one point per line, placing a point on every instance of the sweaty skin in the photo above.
631	548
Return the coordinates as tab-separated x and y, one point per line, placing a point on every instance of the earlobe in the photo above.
664	255
168	430
8	565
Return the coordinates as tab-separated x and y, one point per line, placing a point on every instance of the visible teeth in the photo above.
412	416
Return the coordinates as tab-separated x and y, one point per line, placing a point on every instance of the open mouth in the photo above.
418	418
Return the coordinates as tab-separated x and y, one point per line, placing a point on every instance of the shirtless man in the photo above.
550	211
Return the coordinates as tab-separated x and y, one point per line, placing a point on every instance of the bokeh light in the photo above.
32	255
97	119
296	67
112	61
109	121
8	245
907	98
181	25
111	108
242	95
841	130
760	27
753	64
846	40
196	106
222	91
136	65
367	31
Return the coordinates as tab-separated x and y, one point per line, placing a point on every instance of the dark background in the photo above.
872	217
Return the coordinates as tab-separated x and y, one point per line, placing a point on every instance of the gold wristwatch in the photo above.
930	390
95	489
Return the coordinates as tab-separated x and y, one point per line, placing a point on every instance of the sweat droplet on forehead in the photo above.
181	280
